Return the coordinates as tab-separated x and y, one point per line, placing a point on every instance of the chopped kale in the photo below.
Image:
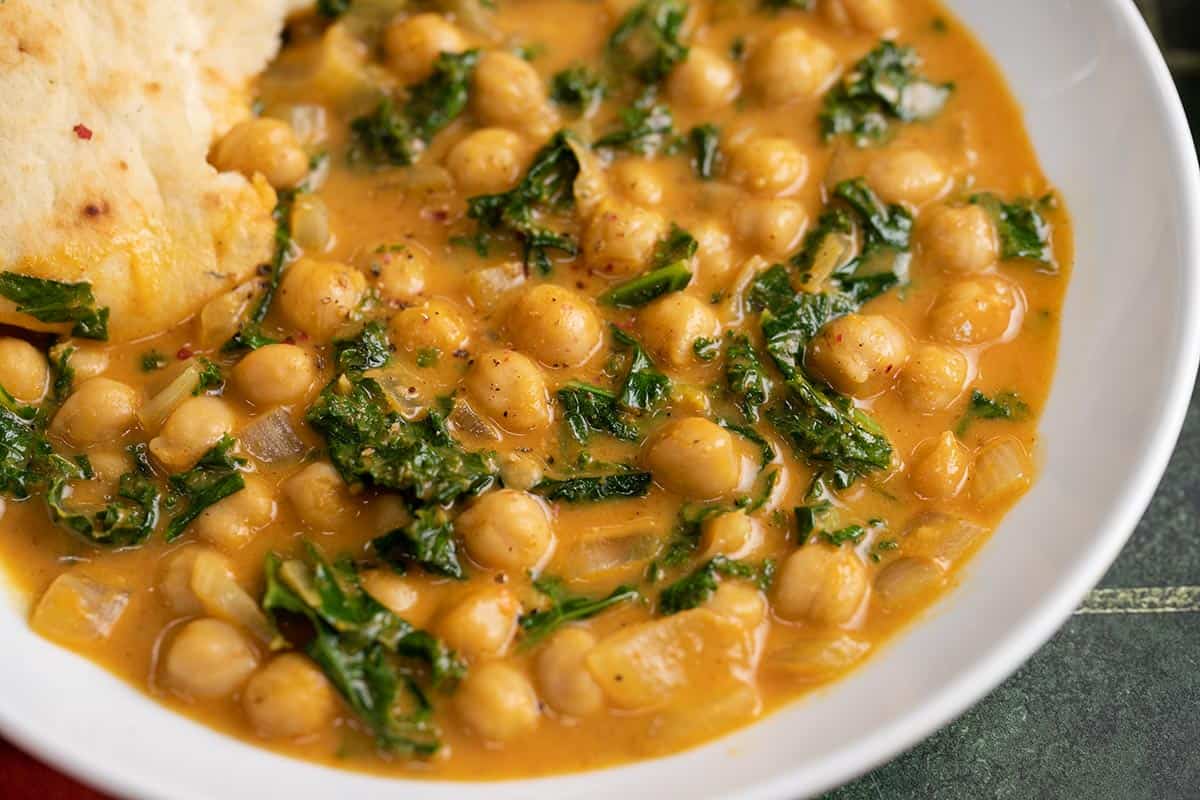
705	141
210	377
647	43
645	127
594	488
564	608
851	533
548	185
368	350
54	301
649	286
64	374
128	520
153	360
695	589
249	335
678	245
883	225
645	386
25	453
1023	231
578	88
751	435
706	349
428	357
587	409
428	540
745	376
881	547
398	136
882	87
217	475
1006	405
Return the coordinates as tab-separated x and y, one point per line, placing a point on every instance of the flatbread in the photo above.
110	107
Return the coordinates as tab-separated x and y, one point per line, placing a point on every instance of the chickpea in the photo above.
704	81
191	431
975	311
433	325
672	323
507	91
556	326
509	388
958	238
521	470
412	45
231	522
733	534
110	465
277	374
563	677
793	65
739	601
486	161
637	180
482	624
714	250
695	458
507	530
100	410
620	238
820	584
319	496
497	701
208	659
934	378
909	176
939	468
872	16
771	227
859	354
403	595
318	297
265	146
400	271
769	166
24	372
289	697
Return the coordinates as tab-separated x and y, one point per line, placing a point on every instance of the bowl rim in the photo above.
1016	646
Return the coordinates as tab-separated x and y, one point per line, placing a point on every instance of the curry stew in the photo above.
624	371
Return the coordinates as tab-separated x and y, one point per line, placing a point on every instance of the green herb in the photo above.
645	128
751	435
23	448
537	625
884	225
548	185
153	360
745	376
428	540
54	301
428	357
217	475
249	335
649	286
578	88
851	533
398	136
1022	229
210	377
528	52
368	350
647	41
332	9
679	245
882	87
706	150
128	520
644	387
587	409
695	589
881	547
1006	405
706	349
64	374
591	489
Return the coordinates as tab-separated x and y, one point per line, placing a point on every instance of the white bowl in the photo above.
1111	133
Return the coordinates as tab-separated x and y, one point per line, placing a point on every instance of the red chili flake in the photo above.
184	353
290	340
82	131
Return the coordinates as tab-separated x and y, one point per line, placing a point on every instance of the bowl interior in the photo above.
1110	132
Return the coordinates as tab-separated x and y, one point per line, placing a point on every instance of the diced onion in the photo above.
906	580
942	537
271	438
78	610
613	556
1002	471
691	722
405	391
819	658
220	317
464	420
223	597
156	411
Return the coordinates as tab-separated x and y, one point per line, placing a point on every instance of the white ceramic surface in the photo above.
1110	131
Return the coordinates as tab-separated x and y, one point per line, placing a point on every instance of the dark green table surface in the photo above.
1110	707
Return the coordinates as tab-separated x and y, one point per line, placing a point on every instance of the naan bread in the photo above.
110	107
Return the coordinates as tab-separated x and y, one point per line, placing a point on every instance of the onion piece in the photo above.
155	412
75	609
819	658
942	537
1002	470
271	438
691	722
223	597
907	580
220	317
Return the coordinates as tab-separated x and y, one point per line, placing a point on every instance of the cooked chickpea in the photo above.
403	595
110	465
192	430
909	176
714	251
412	45
507	91
563	677
768	166
266	146
704	81
510	388
318	297
873	16
792	65
620	238
24	372
671	324
507	530
400	272
482	624
636	179
739	601
433	325
289	697
733	534
277	374
958	238
975	311
820	584
556	326
498	701
939	468
100	410
486	161
859	354
231	522
319	496
695	458
934	378
521	470
771	227
207	659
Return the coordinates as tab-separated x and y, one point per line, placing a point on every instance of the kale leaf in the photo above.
1023	231
153	360
249	335
588	408
564	608
1006	405
591	489
128	520
647	43
745	376
54	301
368	350
64	373
217	475
695	589
644	387
578	88
210	377
645	127
706	150
428	540
22	444
669	272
